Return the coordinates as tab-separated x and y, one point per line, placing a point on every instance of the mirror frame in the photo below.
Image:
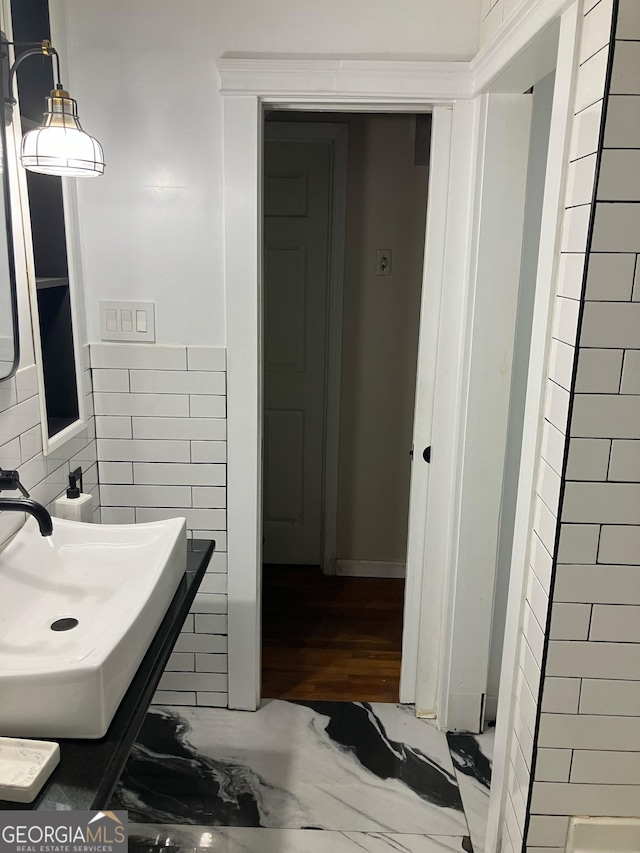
6	193
51	443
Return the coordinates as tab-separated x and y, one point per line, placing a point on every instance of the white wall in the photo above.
386	209
495	13
144	74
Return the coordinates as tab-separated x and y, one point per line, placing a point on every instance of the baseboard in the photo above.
594	834
370	569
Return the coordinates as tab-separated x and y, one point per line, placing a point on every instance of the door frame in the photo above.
337	135
243	129
444	613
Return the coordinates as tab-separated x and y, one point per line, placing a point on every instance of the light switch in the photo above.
111	320
127	321
141	321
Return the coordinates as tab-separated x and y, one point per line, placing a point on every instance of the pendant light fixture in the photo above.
59	146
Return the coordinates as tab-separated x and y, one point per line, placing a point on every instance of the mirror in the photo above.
9	349
53	305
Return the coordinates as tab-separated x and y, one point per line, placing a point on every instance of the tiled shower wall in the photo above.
575	752
588	760
584	139
45	477
161	444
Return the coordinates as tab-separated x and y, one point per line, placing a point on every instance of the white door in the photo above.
297	206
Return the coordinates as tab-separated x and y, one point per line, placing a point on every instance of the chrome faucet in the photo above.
9	482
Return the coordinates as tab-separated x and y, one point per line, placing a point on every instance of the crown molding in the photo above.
331	82
286	80
528	21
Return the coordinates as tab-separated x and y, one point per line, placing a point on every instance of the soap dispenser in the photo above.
75	505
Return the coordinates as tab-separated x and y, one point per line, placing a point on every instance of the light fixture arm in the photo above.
44	49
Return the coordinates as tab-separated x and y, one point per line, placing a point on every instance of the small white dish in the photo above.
25	765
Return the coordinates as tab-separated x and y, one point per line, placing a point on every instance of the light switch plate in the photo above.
127	321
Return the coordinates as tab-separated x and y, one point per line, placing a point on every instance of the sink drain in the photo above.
64	624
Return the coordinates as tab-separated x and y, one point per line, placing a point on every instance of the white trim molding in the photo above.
243	279
410	82
346	80
527	22
484	360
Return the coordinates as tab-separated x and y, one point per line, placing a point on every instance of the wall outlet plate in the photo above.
127	321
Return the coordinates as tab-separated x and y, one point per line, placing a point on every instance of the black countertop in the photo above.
89	769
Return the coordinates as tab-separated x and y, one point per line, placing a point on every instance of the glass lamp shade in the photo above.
60	146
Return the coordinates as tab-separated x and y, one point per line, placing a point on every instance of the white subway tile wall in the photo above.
595	32
578	543
552	450
610	275
585	758
623	121
589	401
579	179
161	450
561	361
45	477
561	695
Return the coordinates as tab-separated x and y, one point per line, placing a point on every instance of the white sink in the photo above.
117	581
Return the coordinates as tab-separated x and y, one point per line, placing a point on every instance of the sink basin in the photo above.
77	613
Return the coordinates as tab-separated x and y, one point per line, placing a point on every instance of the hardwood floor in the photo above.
330	638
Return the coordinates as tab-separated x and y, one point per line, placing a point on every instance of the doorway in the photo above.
343	237
446	626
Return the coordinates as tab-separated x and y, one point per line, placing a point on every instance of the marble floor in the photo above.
472	756
300	777
155	838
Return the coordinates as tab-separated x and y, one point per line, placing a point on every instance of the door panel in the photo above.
285	195
296	262
285	341
284	467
